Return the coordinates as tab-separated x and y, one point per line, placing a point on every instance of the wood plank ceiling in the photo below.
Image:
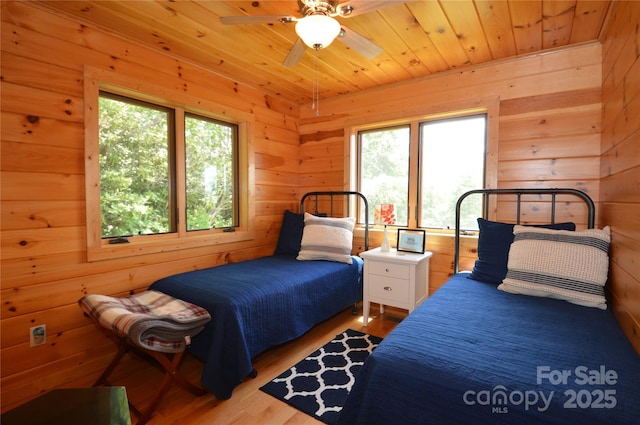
419	38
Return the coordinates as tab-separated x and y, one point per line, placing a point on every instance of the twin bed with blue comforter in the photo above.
258	304
472	354
476	354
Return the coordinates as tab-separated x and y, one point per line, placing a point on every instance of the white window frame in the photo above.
99	249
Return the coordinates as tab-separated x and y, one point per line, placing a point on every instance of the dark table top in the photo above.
81	406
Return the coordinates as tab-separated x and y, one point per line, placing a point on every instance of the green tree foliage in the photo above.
439	207
134	168
385	170
137	165
211	172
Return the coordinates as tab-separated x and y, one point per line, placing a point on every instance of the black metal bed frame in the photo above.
486	193
331	195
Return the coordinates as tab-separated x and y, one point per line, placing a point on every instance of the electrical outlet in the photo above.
38	335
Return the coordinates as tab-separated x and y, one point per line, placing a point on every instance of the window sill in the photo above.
154	244
392	230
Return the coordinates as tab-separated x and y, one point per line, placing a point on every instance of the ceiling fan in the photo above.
317	28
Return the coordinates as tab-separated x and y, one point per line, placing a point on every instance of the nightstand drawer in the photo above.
388	288
398	271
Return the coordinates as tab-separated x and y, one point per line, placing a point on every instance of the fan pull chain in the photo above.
315	105
313	84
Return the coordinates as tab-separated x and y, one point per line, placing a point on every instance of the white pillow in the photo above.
327	238
570	266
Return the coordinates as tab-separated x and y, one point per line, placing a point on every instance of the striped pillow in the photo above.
327	238
570	266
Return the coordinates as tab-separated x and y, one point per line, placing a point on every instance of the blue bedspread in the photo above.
258	304
472	354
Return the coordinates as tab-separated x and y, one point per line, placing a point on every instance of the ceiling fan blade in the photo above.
359	43
361	7
257	19
295	54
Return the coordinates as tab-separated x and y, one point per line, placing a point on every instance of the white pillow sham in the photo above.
571	266
327	238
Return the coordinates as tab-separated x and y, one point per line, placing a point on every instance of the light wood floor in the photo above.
248	405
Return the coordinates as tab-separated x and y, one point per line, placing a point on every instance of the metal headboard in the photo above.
486	193
331	195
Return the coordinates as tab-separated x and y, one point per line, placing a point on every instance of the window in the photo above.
164	170
210	151
422	167
137	169
452	153
384	170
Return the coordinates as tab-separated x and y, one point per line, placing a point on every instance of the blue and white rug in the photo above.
319	384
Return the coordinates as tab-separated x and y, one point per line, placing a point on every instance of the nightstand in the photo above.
398	279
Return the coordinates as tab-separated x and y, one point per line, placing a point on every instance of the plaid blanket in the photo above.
150	319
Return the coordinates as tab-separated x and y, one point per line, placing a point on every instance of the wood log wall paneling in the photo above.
620	162
44	265
566	118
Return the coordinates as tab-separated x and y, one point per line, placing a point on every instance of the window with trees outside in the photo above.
423	167
211	170
136	173
138	169
165	170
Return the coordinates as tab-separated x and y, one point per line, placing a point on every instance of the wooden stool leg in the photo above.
123	347
168	362
171	368
164	387
172	371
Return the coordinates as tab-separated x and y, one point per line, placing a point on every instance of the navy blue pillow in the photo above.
290	236
494	243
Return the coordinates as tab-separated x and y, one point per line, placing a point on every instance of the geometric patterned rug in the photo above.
319	384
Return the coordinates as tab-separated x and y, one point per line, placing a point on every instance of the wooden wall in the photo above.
620	163
44	267
549	127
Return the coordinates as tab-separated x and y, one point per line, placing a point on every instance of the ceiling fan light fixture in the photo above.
317	31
